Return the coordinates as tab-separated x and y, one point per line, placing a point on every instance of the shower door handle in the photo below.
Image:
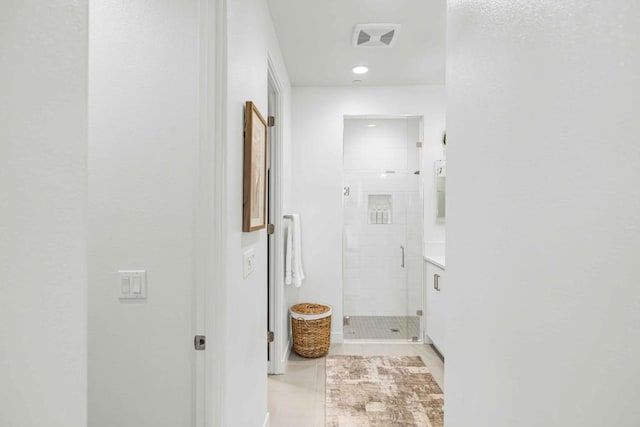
402	249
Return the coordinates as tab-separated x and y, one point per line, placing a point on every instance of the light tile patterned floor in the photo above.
382	327
297	398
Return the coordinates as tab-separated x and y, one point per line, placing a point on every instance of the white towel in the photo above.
293	253
288	272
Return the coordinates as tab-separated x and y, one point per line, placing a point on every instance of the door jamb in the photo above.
277	364
210	235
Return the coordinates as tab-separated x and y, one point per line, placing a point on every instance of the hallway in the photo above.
297	398
131	296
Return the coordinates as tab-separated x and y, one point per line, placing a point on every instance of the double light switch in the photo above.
133	284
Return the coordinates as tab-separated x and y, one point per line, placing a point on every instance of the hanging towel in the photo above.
293	253
288	271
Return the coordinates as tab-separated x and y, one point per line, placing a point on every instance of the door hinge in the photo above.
418	144
271	228
418	312
270	336
200	342
271	121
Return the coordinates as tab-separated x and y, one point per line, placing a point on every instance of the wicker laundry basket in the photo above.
311	328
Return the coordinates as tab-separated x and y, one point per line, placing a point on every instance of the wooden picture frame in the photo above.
254	201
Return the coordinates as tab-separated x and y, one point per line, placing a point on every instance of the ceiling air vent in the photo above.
375	35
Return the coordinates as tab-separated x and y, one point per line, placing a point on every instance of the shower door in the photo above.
382	235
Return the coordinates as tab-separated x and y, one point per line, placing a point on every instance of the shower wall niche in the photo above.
382	235
380	208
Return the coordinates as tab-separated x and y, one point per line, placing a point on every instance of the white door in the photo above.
276	311
149	181
382	229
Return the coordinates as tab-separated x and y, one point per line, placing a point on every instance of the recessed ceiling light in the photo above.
360	69
372	125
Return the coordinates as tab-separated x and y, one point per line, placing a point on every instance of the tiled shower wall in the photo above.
382	160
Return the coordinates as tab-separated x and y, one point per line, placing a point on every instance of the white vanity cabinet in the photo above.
435	294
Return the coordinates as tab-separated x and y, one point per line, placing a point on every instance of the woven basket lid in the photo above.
309	308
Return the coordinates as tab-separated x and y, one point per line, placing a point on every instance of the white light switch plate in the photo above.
248	262
132	284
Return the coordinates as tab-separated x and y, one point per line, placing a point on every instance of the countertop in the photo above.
438	261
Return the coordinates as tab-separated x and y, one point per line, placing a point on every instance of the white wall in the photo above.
143	142
318	115
43	157
251	40
144	159
246	299
543	228
434	227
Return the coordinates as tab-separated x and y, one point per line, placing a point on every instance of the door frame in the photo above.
277	315
210	222
420	118
210	231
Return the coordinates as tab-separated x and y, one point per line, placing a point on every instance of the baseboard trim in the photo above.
267	422
337	337
285	357
426	339
440	355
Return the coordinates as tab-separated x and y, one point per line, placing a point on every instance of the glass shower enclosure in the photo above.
382	229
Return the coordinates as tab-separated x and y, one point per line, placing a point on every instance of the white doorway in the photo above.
382	229
276	315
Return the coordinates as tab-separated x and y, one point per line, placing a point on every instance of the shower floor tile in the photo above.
382	328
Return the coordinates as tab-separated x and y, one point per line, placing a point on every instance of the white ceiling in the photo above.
315	37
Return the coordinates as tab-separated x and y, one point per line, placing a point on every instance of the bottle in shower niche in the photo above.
379	216
385	217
